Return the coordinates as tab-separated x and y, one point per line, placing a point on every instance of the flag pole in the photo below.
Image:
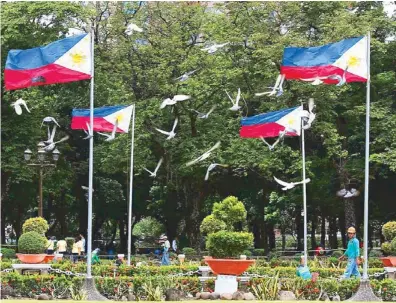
304	195
366	166
90	178
131	188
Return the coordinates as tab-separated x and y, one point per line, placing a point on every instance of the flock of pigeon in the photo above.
307	117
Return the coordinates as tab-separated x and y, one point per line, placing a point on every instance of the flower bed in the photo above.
116	288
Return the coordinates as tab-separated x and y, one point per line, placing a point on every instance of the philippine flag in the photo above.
61	61
343	61
104	118
270	124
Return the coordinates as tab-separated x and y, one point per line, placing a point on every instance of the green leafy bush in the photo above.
337	253
386	248
8	253
32	243
188	251
389	230
228	244
230	211
210	224
69	242
375	253
247	253
38	224
259	252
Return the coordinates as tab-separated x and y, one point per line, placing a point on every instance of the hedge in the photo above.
115	288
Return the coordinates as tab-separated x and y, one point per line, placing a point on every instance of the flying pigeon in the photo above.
204	155
310	116
174	100
235	105
348	193
88	132
214	48
281	137
205	116
51	135
290	185
341	79
132	27
277	89
170	134
51	146
154	174
186	76
49	120
212	167
86	188
111	137
17	106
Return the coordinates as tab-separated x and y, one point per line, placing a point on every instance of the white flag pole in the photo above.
304	195
366	166
131	188
90	178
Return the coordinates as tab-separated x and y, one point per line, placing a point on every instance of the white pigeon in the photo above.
154	174
341	79
277	89
111	137
214	48
86	188
204	155
343	193
281	136
186	76
308	119
235	105
132	27
292	184
49	120
51	135
52	145
174	100
170	134
212	167
205	116
88	132
17	106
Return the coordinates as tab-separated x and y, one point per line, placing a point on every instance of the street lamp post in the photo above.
41	164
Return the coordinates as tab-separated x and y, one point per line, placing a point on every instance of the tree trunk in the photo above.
350	217
323	231
341	224
283	240
333	233
123	238
271	236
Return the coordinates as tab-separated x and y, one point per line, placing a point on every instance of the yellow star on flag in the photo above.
119	117
77	58
353	61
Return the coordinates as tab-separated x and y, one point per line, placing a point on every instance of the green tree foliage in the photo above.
32	242
141	69
148	230
211	224
39	225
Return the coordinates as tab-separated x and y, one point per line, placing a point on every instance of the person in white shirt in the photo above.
61	246
174	244
165	256
83	244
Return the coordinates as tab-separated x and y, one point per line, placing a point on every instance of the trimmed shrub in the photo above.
8	253
211	225
386	248
188	251
259	252
228	244
337	253
389	230
375	253
69	242
247	253
32	243
38	224
230	210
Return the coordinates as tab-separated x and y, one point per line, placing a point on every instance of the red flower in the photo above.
384	289
316	290
115	289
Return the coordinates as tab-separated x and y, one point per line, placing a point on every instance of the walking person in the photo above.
50	245
353	255
165	256
76	250
61	247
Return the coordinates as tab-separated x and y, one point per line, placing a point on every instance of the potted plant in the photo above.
31	247
32	243
389	247
227	238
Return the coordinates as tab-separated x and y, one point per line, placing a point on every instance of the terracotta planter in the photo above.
48	258
31	258
232	267
389	261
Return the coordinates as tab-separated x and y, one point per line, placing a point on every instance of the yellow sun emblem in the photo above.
291	121
353	61
119	117
77	58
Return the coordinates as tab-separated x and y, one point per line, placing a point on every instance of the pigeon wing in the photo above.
18	109
238	96
214	147
148	170
181	97
175	124
207	174
285	184
232	101
211	110
162	131
158	165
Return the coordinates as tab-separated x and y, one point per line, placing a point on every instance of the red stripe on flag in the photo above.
100	124
267	130
49	74
299	73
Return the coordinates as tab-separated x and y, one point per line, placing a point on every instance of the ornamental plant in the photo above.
225	229
389	232
32	243
38	224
